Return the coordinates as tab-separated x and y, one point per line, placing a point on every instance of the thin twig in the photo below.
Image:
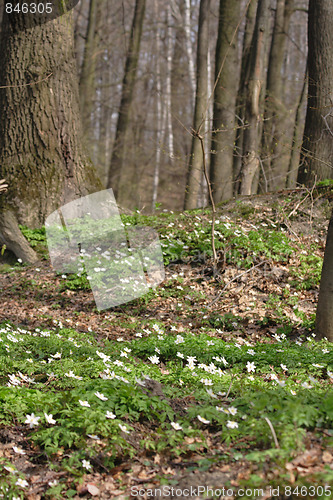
312	201
210	196
273	432
25	84
297	206
264	174
325	120
227	395
234	279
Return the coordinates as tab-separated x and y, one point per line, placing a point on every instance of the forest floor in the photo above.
211	386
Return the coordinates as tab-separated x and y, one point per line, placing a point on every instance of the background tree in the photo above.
253	109
157	145
41	154
120	175
87	83
201	108
275	141
317	148
241	94
225	94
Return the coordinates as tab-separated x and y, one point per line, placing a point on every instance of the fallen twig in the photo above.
273	432
234	279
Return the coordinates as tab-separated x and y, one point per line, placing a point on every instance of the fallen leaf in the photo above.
308	458
327	457
93	490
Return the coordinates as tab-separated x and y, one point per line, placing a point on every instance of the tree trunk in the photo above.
251	158
41	154
11	236
276	146
120	174
324	316
241	95
196	159
189	50
317	148
159	129
88	73
226	84
168	90
297	138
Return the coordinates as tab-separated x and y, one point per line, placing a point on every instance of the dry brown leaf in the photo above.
164	372
292	477
308	458
136	468
168	470
146	475
327	457
93	490
225	468
189	440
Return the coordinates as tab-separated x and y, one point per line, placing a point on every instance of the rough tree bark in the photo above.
317	148
199	122
226	84
41	154
120	176
324	316
317	143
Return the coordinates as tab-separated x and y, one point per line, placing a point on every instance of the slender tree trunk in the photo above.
41	153
159	130
120	175
189	50
317	148
226	84
168	91
275	145
241	95
203	195
297	137
88	73
199	122
251	159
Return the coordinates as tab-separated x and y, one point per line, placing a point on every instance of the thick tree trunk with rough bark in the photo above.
120	174
318	141
317	148
196	159
41	155
226	80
